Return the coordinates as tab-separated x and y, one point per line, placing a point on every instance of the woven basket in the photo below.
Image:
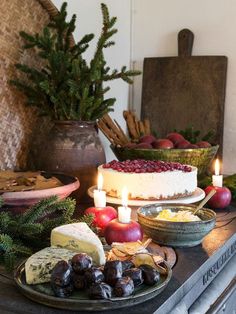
18	123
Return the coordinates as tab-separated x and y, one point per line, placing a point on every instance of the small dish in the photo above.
27	198
176	234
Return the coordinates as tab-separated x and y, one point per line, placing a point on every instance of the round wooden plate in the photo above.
43	294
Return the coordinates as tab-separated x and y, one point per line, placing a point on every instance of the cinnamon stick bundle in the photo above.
112	130
136	128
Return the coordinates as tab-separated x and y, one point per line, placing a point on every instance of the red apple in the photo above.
130	145
221	199
147	139
163	143
203	144
143	146
102	215
123	232
175	137
183	144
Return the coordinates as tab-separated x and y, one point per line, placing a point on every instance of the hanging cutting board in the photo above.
184	91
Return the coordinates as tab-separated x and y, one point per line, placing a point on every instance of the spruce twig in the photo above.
21	234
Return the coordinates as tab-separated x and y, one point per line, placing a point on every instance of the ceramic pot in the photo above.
73	147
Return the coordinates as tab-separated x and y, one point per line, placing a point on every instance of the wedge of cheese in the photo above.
79	238
39	266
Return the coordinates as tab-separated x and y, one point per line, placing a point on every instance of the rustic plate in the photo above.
27	198
197	196
43	294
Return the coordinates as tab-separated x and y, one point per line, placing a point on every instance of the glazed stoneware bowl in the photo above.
28	198
176	234
198	157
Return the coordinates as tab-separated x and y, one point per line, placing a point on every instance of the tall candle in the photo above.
217	179
99	195
124	212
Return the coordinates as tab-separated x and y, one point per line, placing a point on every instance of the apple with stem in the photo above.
221	199
116	231
102	216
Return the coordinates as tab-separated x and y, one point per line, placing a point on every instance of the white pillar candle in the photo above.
217	179
99	195
124	212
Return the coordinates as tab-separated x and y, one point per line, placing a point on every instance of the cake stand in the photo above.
197	196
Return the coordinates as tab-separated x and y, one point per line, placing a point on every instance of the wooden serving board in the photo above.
184	91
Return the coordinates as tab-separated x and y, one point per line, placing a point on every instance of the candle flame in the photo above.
100	182
217	167
124	197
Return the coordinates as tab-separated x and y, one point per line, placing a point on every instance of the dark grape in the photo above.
61	274
135	274
100	291
150	275
62	292
112	272
124	287
78	281
93	275
81	262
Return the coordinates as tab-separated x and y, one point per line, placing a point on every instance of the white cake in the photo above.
148	180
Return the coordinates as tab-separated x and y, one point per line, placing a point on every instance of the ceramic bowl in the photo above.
27	198
198	157
176	234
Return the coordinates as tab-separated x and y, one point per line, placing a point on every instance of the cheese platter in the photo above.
78	273
42	293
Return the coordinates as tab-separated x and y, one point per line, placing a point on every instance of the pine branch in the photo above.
66	87
21	234
36	211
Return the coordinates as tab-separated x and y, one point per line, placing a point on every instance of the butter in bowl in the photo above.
175	224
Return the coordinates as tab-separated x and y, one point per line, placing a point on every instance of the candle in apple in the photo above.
99	195
102	213
222	197
123	229
124	212
217	179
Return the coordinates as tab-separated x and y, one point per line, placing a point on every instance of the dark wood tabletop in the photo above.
195	268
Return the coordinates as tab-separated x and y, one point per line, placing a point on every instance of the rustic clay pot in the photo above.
73	147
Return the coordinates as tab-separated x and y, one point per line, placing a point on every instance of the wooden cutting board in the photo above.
184	91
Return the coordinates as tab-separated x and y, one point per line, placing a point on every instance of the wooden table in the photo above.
196	267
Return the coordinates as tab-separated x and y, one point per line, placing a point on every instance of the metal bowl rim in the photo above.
178	222
177	150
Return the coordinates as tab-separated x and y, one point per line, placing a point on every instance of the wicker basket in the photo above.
18	123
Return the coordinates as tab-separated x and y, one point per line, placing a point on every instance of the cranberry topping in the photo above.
143	166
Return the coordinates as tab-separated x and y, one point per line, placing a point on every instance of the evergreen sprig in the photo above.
21	234
194	136
66	87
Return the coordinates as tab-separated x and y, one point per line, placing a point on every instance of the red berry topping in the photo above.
143	166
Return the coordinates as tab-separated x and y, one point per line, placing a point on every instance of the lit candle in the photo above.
124	212
99	195
217	179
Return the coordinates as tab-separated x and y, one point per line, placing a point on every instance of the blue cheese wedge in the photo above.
39	266
79	238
